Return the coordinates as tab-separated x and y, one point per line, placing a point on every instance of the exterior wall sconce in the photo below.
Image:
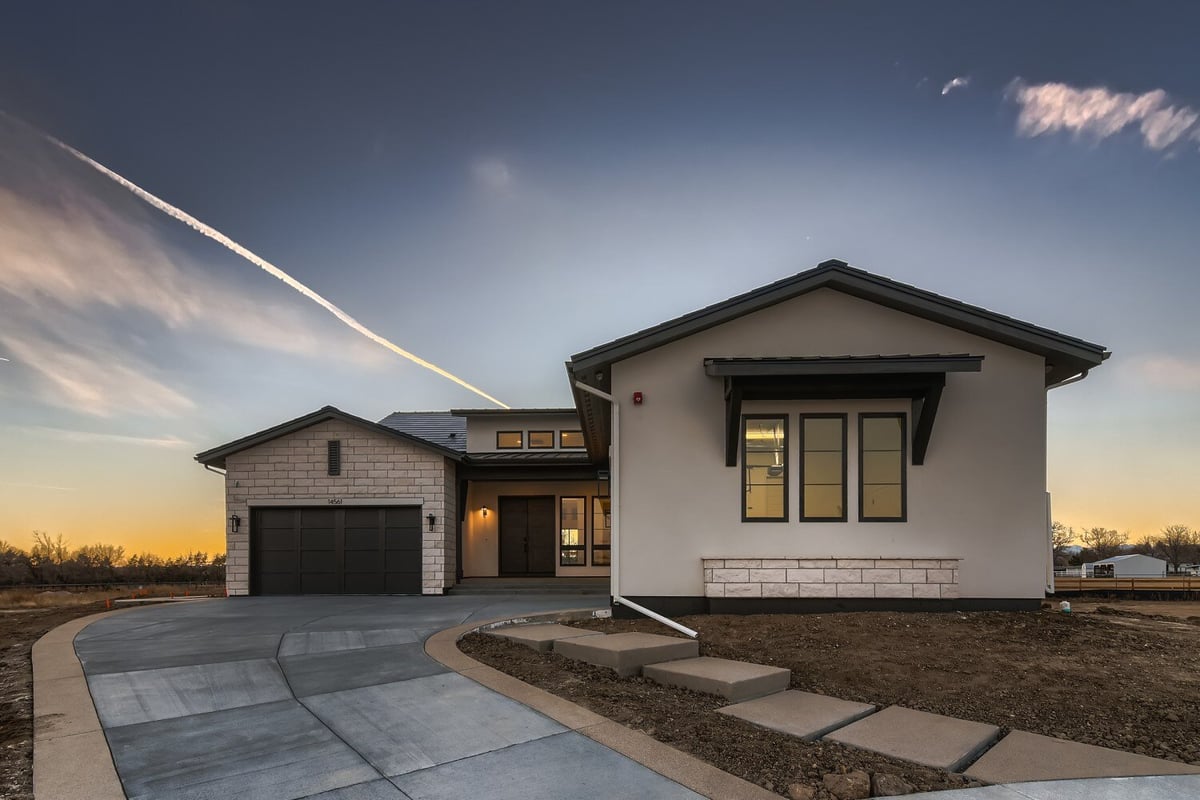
235	522
432	520
484	510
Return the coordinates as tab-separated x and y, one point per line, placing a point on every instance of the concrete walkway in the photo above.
322	697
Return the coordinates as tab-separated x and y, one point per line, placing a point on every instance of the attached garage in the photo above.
330	550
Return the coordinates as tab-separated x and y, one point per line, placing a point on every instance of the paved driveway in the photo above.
332	698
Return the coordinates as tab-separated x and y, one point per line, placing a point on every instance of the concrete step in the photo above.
1023	756
627	653
598	586
733	680
540	636
805	715
930	739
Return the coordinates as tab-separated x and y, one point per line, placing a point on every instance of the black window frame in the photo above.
607	548
583	521
845	418
499	446
903	464
563	446
529	441
742	476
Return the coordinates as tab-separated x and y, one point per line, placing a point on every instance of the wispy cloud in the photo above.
961	82
41	486
1100	112
63	434
1170	372
492	173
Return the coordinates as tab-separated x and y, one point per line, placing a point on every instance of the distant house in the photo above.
1127	566
832	440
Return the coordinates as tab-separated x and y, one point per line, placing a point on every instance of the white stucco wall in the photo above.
979	497
482	429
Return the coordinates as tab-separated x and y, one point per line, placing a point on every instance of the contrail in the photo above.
253	258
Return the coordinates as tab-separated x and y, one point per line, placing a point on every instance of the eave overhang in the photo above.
920	379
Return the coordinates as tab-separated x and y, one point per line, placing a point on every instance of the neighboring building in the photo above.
835	439
1127	566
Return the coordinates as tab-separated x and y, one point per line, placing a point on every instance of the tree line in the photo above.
1175	544
52	560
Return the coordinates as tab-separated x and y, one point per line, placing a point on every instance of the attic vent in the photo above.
335	457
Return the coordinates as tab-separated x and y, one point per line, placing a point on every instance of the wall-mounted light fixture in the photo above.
235	522
484	510
432	521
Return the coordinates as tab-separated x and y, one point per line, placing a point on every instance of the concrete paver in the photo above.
733	680
802	714
1023	756
1169	787
627	653
100	654
540	637
930	739
565	765
321	673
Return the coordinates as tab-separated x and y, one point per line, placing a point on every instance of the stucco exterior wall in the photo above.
377	468
979	498
481	535
481	430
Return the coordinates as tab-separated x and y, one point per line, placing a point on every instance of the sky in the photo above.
495	186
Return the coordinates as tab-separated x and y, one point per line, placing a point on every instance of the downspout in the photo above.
1069	381
1049	514
614	492
211	468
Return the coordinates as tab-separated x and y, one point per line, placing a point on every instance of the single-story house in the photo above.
1132	565
835	439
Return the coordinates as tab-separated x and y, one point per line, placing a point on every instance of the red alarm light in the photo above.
637	398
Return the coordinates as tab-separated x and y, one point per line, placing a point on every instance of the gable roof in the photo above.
443	428
216	456
1065	355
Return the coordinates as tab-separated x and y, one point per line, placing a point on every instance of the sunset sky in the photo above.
495	186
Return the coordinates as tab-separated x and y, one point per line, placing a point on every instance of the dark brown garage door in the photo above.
322	550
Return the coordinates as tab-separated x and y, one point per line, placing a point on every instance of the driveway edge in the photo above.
683	768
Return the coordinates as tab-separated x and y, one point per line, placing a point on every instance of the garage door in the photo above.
323	550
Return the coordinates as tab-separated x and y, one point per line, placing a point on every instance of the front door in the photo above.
527	535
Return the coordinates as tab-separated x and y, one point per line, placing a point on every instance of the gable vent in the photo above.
335	457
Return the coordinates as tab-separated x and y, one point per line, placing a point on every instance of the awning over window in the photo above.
920	378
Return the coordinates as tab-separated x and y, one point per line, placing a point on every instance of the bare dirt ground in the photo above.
1113	678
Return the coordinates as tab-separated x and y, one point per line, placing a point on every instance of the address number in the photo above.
335	501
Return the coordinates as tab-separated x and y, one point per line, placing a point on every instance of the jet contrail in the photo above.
220	238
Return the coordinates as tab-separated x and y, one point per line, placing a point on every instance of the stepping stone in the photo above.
1022	756
733	680
802	714
930	739
627	653
541	636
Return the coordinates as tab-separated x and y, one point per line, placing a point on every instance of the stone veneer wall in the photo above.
920	578
375	466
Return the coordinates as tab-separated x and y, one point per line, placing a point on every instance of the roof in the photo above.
525	457
493	412
1113	559
216	456
842	365
437	427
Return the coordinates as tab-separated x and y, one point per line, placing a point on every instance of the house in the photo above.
832	440
1132	565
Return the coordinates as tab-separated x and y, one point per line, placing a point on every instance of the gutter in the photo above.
211	468
614	491
1069	381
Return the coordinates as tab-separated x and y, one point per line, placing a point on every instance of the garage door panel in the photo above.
362	518
402	539
278	584
276	518
318	517
365	583
362	539
276	540
402	516
318	539
403	583
318	561
320	583
362	561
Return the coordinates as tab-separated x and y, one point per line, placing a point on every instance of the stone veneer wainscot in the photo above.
918	578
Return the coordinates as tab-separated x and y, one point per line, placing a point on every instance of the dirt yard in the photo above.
1112	677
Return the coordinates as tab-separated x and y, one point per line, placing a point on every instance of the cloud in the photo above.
492	173
1100	112
961	82
1170	372
65	435
41	486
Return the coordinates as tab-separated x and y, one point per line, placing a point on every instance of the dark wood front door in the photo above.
527	540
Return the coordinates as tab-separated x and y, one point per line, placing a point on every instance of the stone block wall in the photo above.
375	466
907	578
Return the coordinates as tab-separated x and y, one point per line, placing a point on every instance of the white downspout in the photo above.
614	495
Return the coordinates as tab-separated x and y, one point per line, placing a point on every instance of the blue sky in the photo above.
495	186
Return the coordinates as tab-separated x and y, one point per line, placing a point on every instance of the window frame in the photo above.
563	446
742	475
499	446
845	418
531	446
583	521
607	548
864	415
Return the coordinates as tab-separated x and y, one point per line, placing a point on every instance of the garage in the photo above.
335	550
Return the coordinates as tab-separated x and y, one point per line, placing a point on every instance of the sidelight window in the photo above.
882	457
764	468
572	537
822	467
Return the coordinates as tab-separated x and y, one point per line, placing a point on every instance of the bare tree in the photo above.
49	549
1060	537
1179	545
1105	542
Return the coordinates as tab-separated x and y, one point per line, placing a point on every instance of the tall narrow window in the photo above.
333	457
601	532
764	468
572	536
882	457
823	468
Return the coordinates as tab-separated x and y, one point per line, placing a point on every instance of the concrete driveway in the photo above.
330	697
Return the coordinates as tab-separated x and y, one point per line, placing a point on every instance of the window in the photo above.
822	467
541	440
333	457
572	536
510	440
764	468
601	532
882	459
570	439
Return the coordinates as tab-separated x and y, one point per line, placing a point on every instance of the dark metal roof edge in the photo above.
845	365
218	454
489	412
853	281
